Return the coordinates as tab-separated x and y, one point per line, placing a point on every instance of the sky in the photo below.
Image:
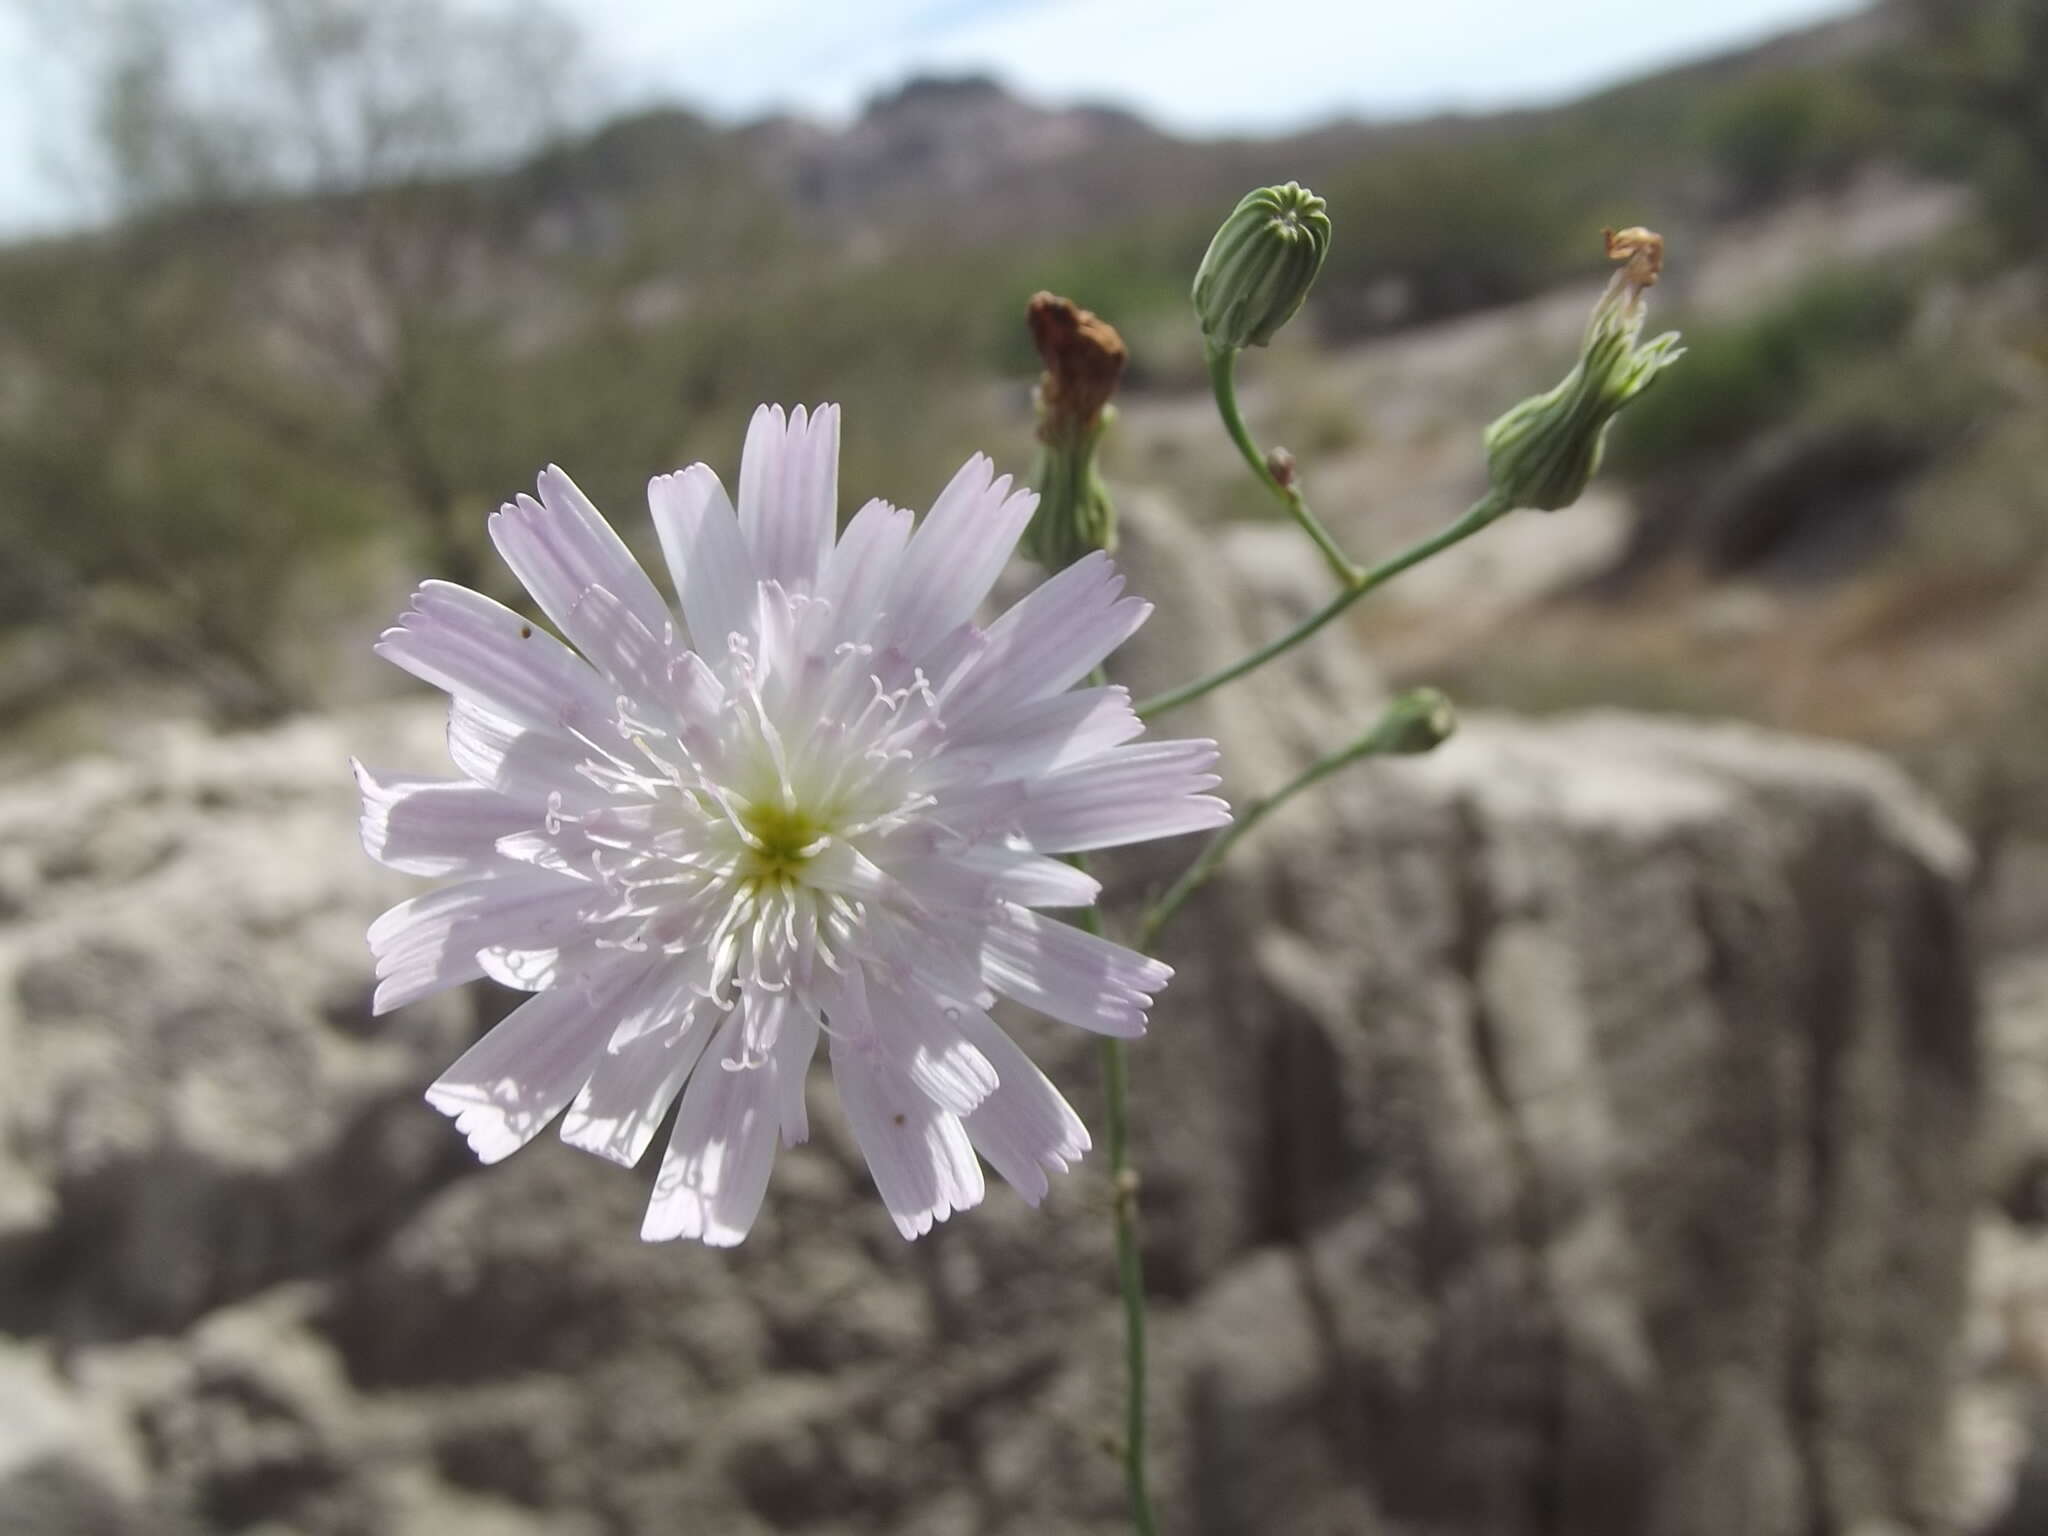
1259	66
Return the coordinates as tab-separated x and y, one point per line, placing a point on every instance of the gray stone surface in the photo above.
1558	1135
2001	1422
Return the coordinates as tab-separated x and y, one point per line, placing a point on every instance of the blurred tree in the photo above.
1978	90
1783	133
273	338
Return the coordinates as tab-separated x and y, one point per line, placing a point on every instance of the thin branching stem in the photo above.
1486	510
1130	1268
1414	722
1130	1272
1223	381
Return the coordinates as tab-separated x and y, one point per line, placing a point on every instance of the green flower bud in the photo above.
1261	265
1543	453
1420	720
1084	361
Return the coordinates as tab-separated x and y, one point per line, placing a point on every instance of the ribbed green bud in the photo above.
1261	266
1544	452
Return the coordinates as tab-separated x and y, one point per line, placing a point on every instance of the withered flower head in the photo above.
1543	453
1084	360
1640	250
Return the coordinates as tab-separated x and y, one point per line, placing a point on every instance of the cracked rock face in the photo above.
1559	1135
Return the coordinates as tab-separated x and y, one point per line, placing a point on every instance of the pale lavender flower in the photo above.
825	801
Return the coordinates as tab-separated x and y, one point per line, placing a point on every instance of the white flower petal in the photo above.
914	1031
789	493
560	547
436	826
798	1044
955	556
483	652
921	1033
985	813
1038	738
1072	976
923	1164
781	1025
707	559
523	764
635	1078
537	970
845	869
1030	879
1128	795
722	1150
1025	1128
432	941
1046	642
580	845
861	568
670	686
511	1083
1084	822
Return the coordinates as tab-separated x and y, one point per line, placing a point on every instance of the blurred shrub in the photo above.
1439	229
1982	517
1972	96
168	538
1781	133
1467	214
1741	378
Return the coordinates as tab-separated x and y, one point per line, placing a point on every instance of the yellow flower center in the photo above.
781	841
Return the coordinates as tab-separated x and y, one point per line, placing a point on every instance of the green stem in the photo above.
1129	1266
1223	381
1415	722
1489	508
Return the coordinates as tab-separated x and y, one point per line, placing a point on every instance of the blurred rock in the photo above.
2001	1420
1559	1134
1803	505
1522	561
197	1105
59	1470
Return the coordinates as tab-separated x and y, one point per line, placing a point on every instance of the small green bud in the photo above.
1084	361
1543	452
1420	720
1261	266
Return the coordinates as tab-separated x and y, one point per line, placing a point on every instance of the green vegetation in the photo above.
1972	105
1742	378
1785	133
254	403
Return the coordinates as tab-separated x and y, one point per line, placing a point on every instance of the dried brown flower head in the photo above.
1641	249
1084	359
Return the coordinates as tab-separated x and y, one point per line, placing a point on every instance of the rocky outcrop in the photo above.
1558	1135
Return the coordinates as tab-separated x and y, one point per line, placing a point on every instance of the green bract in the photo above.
1542	453
1261	265
1075	515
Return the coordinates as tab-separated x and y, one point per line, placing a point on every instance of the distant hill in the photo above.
936	139
963	163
